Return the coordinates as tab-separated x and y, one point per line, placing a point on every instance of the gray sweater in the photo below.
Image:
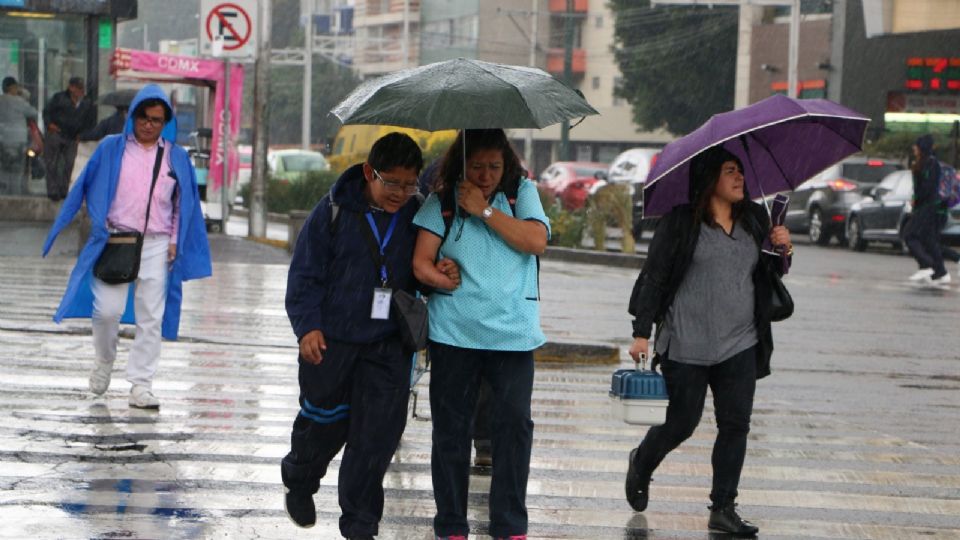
711	318
14	113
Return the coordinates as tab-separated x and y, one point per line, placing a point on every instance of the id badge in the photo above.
381	304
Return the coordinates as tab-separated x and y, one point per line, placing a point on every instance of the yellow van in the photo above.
354	141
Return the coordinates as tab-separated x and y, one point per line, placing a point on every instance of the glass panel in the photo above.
42	55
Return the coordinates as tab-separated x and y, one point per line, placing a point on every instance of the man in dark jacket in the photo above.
923	230
355	249
67	114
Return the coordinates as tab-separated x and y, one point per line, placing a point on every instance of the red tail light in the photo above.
874	163
842	185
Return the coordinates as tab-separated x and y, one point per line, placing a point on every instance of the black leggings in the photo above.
733	383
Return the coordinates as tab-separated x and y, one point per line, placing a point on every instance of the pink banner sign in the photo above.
172	68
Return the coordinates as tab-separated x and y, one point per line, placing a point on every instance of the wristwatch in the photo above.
487	212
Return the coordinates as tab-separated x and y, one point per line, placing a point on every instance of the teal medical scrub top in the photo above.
497	306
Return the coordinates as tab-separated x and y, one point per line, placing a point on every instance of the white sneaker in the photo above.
921	274
941	282
100	376
142	398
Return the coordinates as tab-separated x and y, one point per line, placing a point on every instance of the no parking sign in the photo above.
228	28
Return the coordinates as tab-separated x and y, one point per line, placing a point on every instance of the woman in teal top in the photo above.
486	327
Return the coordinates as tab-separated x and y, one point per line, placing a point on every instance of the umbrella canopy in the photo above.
781	141
119	98
463	94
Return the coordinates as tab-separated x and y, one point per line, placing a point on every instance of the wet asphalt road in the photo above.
854	435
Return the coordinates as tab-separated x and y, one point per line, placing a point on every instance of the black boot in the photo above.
637	485
725	519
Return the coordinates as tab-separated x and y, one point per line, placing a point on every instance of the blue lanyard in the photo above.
382	244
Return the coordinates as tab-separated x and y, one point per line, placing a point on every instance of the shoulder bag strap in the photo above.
153	184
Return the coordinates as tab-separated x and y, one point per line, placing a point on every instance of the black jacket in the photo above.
926	183
668	259
71	119
332	274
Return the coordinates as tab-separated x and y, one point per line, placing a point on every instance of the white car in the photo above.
293	163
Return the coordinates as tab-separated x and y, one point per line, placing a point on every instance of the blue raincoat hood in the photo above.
152	91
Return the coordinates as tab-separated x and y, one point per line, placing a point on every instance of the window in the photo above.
596	83
598	22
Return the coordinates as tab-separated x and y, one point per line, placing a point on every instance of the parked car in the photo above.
560	174
293	163
575	195
883	215
819	207
631	167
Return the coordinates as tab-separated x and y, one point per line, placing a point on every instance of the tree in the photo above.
678	63
330	83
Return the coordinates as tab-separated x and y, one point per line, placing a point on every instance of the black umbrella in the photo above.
119	98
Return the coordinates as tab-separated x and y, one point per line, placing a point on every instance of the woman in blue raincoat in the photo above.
175	245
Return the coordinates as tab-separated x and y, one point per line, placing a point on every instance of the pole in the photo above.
307	82
225	139
794	51
567	76
406	34
535	27
258	181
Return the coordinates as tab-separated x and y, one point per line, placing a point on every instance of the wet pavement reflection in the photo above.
848	438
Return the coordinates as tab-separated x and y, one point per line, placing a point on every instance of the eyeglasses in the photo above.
396	187
152	120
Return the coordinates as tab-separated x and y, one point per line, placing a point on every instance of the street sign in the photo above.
228	28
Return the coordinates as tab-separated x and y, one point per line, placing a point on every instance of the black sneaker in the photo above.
300	508
725	519
637	486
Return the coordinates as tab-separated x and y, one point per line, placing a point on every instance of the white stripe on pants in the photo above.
150	296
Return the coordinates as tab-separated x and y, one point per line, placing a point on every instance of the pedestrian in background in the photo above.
67	114
116	187
494	227
923	230
354	250
15	114
697	285
108	126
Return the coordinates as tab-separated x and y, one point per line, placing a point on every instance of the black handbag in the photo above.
409	311
412	318
119	262
780	303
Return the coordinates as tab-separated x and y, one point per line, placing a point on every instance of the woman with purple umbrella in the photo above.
700	285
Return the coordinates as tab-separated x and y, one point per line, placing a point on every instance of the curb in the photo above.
588	256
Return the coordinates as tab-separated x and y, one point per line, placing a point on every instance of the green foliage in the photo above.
303	194
891	145
678	63
566	227
330	84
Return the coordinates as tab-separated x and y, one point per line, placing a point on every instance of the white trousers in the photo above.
149	299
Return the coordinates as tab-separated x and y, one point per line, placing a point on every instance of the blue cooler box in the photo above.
639	397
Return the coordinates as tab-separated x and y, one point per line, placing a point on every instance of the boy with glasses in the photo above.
355	249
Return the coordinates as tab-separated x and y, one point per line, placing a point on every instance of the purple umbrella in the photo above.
781	141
